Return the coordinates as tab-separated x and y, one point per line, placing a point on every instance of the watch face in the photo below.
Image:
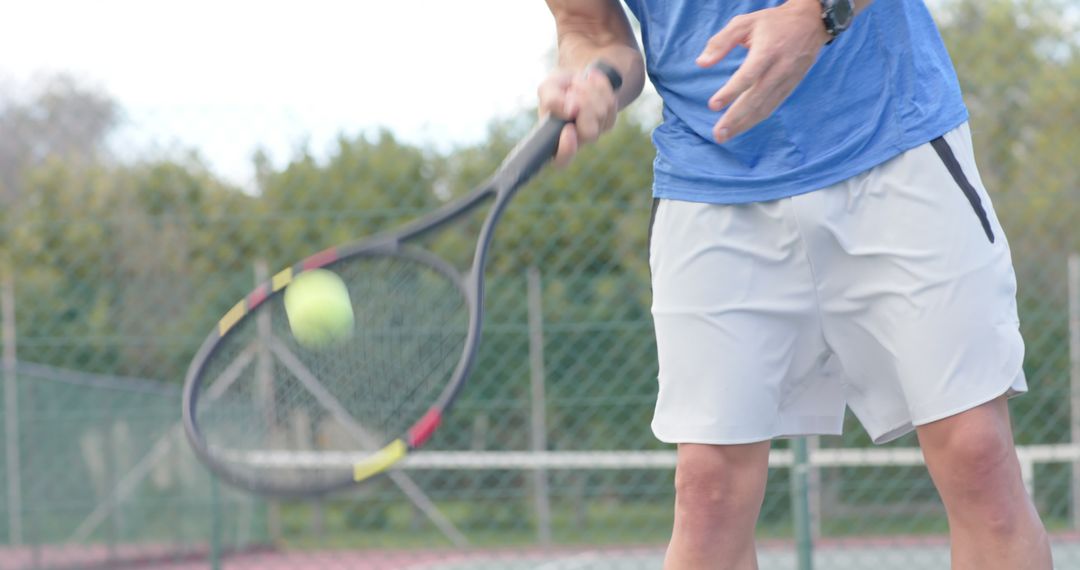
842	12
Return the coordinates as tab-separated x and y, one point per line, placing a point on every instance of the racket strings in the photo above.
356	395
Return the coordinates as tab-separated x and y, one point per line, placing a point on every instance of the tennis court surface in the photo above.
926	553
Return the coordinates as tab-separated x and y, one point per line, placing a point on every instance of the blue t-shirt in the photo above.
884	86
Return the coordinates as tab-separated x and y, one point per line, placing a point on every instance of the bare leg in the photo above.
718	494
992	521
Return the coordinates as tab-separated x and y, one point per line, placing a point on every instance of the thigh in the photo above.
740	349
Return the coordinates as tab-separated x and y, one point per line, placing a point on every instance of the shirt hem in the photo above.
704	194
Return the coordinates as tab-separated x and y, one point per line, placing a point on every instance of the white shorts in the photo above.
892	292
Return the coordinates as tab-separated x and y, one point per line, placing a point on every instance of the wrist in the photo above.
811	10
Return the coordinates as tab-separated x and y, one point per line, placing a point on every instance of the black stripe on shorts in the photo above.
945	152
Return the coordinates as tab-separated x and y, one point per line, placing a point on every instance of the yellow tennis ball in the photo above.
319	309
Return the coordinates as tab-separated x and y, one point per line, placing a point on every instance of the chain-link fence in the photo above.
116	263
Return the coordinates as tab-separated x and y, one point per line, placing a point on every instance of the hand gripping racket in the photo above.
273	416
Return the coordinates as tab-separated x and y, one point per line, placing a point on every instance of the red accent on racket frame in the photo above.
256	297
320	259
422	430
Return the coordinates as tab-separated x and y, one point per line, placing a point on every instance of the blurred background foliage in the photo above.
108	243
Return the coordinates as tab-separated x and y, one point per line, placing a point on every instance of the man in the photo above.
820	238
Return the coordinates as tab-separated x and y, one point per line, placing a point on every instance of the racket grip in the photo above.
544	131
539	146
612	74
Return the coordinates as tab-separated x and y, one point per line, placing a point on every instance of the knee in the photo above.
973	449
983	460
979	479
721	485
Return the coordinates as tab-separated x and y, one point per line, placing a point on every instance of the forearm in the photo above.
587	35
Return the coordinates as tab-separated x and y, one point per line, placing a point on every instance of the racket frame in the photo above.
516	170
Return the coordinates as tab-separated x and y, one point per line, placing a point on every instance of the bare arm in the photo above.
597	29
589	30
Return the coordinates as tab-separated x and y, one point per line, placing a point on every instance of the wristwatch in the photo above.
837	15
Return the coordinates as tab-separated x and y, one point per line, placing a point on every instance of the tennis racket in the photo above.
270	415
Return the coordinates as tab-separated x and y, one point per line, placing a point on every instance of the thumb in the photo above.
568	146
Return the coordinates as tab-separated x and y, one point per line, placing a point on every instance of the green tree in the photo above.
364	186
61	118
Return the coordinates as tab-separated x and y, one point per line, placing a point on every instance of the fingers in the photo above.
586	99
552	95
755	104
783	43
735	33
594	106
568	145
752	71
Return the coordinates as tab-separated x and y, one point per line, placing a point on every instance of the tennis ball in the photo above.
319	309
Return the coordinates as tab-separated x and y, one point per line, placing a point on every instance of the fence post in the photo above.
538	423
800	504
1074	378
216	526
11	408
264	382
813	491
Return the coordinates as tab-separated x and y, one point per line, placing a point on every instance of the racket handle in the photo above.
612	74
540	145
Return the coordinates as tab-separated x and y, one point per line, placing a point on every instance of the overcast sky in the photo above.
228	75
